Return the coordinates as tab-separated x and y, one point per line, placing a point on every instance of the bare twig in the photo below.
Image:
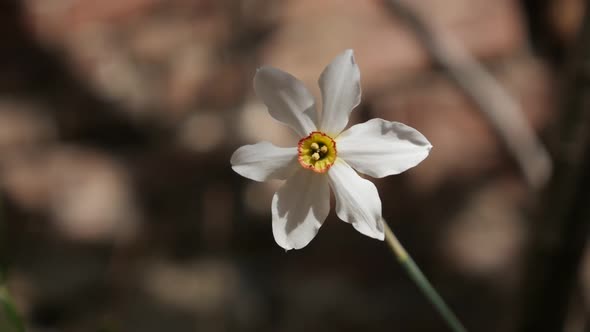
501	110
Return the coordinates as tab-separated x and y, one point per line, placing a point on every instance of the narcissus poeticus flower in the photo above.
326	156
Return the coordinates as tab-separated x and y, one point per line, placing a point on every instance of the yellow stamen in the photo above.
324	149
314	146
315	156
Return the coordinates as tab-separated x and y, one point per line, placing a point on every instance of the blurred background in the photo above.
120	212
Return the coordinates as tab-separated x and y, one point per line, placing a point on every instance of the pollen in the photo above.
317	152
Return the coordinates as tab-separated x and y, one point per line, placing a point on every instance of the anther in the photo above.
315	156
324	149
314	146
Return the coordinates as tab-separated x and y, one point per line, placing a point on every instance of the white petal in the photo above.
287	99
341	92
380	148
264	161
357	200
299	208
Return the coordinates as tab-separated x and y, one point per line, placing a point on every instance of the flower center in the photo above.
317	152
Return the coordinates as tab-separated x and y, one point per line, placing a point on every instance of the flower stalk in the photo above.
419	278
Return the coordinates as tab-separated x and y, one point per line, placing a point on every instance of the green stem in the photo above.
418	277
10	310
7	307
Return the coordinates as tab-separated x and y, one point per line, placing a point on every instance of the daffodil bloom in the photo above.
326	156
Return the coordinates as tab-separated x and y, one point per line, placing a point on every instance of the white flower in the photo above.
326	155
